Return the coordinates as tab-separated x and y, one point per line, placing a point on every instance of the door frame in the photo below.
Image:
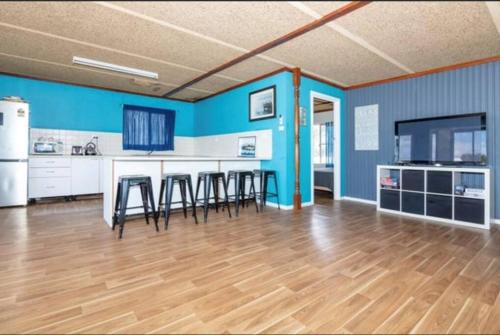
337	139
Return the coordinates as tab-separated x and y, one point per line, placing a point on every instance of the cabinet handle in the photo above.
50	171
50	187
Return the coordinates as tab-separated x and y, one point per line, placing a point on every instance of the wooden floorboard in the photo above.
337	267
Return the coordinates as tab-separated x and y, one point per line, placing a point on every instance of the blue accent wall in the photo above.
468	90
71	107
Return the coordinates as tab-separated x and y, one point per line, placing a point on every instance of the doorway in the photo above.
325	148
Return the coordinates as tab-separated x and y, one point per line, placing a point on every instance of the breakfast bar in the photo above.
154	166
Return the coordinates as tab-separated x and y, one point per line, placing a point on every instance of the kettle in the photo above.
91	148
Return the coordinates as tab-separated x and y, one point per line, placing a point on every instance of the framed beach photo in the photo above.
246	146
262	104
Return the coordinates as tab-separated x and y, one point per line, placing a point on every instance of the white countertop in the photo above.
178	158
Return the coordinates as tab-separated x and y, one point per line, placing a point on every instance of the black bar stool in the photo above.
212	179
124	185
264	176
240	177
167	184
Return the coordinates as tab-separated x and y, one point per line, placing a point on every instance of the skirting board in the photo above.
371	202
287	207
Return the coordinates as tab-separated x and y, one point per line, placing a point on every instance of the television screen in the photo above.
451	140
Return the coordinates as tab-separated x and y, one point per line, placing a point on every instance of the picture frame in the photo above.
246	146
262	104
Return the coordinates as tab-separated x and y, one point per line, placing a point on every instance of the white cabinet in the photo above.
84	175
64	176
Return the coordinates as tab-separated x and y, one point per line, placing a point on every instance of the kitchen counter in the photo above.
157	165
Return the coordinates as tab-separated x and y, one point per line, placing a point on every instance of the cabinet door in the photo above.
84	176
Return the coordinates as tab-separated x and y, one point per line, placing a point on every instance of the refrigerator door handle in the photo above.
13	160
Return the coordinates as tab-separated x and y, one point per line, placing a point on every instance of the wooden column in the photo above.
297	197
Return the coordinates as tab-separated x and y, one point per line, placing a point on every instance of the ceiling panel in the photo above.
325	7
189	95
76	75
425	35
329	54
26	44
246	24
214	84
251	68
107	27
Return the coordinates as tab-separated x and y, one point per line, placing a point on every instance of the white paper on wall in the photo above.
366	127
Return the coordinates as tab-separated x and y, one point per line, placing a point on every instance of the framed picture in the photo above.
246	146
262	104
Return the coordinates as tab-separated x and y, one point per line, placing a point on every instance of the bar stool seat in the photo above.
264	175
211	179
167	184
240	177
125	182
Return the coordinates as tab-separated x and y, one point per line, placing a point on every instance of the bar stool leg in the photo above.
145	203
243	188
152	201
261	191
226	196
161	200
237	186
266	184
117	205
206	193
182	186
215	184
276	189
168	202
198	184
193	203
252	187
123	206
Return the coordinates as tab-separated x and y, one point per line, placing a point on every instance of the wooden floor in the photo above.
334	267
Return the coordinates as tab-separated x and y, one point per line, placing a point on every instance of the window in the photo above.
148	129
319	138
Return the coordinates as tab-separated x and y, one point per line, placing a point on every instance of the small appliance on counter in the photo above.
92	148
48	146
77	150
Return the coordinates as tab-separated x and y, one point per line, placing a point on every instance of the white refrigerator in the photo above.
14	148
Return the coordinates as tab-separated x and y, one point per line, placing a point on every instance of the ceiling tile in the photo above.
425	35
76	75
251	68
325	7
329	54
246	24
214	84
107	27
189	95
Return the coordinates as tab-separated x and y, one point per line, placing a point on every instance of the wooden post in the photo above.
297	197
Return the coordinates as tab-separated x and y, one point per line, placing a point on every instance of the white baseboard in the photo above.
287	207
364	201
495	221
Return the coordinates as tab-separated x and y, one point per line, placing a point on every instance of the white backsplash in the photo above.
110	144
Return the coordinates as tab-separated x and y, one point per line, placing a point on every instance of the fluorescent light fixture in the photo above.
114	67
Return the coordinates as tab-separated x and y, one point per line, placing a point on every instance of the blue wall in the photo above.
71	107
469	90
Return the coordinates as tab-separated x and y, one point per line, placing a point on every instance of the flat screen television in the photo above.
449	140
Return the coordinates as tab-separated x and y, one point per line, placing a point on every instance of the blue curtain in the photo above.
148	129
329	144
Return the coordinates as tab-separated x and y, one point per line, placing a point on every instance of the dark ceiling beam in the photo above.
350	7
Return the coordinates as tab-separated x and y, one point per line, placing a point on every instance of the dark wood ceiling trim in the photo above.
350	7
426	72
89	86
269	74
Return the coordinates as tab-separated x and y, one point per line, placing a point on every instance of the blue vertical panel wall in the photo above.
71	107
468	90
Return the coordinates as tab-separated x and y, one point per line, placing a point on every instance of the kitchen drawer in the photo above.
49	172
49	187
41	162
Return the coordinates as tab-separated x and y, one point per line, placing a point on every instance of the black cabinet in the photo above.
389	199
413	202
439	206
439	182
469	210
413	180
